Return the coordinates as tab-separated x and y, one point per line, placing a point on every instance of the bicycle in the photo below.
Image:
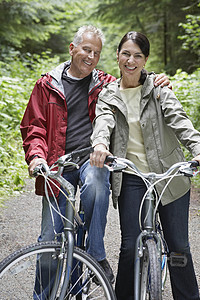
72	273
151	251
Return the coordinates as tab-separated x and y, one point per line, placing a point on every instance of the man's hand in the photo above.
98	157
35	162
162	80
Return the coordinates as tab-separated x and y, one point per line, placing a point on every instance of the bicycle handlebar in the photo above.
116	164
74	155
67	159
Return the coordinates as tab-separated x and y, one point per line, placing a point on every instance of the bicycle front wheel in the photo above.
20	280
150	284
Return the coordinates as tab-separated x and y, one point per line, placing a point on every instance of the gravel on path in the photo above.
20	225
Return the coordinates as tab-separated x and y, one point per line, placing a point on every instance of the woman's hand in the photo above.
98	157
34	163
197	158
162	79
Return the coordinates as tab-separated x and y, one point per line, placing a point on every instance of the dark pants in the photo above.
174	219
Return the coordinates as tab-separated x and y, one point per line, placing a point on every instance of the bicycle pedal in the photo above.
177	259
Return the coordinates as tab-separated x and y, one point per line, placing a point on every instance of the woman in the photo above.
143	123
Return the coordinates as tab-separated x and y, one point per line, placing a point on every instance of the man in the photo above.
58	119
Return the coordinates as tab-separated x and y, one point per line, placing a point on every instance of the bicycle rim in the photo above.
18	275
150	286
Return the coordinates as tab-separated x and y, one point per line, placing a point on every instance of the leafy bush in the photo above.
17	78
190	38
187	89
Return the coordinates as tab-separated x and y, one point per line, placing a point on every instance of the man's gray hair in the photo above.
78	38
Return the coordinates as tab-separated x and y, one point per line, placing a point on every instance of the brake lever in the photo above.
39	169
191	170
114	166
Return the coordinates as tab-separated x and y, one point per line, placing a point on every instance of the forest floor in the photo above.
20	225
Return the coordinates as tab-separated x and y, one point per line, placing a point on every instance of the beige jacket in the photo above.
163	122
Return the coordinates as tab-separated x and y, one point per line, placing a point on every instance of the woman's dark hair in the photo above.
142	41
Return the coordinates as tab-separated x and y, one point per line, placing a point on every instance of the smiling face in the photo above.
85	56
131	62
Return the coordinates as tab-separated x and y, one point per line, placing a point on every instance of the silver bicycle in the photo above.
151	252
70	271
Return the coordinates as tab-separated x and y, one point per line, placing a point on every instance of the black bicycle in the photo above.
71	272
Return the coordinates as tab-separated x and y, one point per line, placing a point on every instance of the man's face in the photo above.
85	56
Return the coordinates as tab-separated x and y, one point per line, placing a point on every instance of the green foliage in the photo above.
17	78
187	89
25	23
159	21
34	26
191	36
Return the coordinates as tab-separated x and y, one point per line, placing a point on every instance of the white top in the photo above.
135	151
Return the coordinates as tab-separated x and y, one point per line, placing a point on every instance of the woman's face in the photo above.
131	60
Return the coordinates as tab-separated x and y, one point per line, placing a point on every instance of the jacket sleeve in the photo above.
34	124
177	119
103	123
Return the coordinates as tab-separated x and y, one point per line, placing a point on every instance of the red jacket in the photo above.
44	123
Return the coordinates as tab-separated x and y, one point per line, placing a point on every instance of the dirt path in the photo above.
20	225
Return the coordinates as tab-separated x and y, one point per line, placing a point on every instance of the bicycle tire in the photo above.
150	284
17	274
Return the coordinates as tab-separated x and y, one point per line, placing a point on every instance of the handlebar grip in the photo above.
80	153
114	165
39	169
194	163
109	159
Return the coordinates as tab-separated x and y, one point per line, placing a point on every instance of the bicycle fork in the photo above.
69	233
65	258
147	233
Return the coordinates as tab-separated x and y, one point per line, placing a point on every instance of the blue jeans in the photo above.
94	196
174	219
